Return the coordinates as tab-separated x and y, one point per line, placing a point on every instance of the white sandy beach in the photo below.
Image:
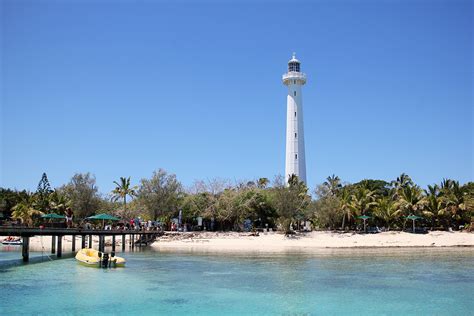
277	242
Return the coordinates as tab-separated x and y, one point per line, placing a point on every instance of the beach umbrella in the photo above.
413	218
104	217
364	217
53	215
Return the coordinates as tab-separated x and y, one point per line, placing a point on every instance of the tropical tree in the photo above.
8	199
379	187
43	193
468	188
410	201
402	181
327	211
347	211
161	195
362	201
262	183
59	203
333	184
290	201
386	210
83	194
259	206
433	207
26	210
199	204
122	190
452	197
228	208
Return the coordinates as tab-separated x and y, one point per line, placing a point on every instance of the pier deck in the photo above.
58	233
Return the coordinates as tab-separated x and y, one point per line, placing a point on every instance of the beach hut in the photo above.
413	218
364	217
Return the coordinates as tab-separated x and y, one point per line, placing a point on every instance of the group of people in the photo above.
139	224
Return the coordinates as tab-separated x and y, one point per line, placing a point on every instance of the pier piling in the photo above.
83	241
60	247
101	243
113	243
90	242
25	250
123	242
73	246
53	244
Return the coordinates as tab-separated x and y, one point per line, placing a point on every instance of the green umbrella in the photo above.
53	215
413	218
104	217
364	217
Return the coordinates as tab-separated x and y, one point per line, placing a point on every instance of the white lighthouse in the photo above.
295	162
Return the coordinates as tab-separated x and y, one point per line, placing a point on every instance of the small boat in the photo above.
92	257
12	241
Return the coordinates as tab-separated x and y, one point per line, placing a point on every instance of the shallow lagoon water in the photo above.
355	281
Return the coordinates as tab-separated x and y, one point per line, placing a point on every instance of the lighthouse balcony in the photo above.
294	75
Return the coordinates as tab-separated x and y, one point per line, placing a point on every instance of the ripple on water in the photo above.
333	283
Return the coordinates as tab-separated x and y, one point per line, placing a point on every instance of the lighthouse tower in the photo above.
295	163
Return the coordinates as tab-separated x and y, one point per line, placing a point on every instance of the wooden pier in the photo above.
137	237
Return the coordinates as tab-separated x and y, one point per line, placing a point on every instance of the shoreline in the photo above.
276	242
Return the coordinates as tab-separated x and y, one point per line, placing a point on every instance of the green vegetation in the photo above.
121	191
82	194
388	205
226	206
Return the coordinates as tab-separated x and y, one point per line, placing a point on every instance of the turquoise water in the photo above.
332	282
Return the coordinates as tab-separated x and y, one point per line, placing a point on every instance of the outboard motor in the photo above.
112	259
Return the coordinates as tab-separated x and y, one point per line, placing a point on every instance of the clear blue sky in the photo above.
122	89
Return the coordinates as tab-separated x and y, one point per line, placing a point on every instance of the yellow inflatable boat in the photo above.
92	257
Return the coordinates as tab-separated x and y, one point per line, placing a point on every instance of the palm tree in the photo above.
346	209
387	210
122	190
446	185
25	210
402	181
333	184
433	206
293	180
59	203
452	198
262	183
410	201
362	201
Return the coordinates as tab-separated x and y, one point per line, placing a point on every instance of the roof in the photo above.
293	59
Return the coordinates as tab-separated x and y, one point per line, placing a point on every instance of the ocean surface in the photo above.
331	282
